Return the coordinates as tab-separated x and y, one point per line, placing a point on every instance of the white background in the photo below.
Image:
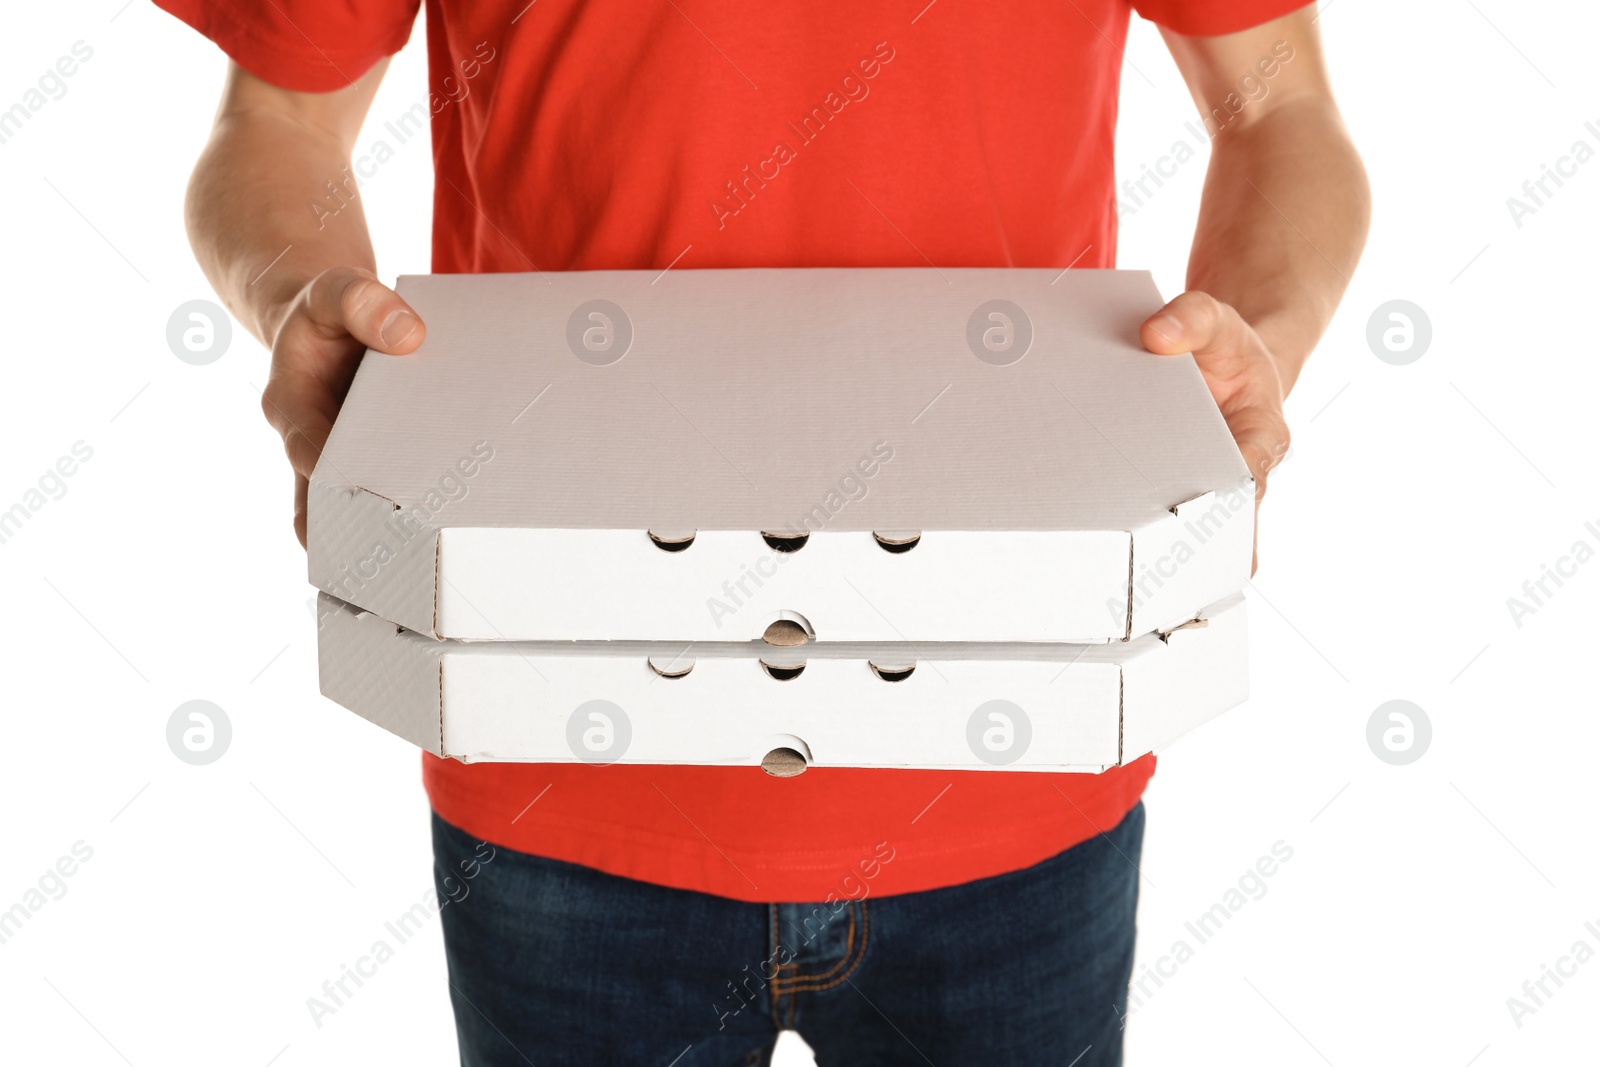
1417	500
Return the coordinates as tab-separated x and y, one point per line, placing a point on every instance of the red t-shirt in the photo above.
608	134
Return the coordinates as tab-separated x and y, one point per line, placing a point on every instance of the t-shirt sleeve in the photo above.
1212	18
304	45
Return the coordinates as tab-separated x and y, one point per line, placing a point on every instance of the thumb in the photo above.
349	301
1190	322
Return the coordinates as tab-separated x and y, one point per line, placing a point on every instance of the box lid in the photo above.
955	454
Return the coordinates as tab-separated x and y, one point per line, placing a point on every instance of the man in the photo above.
638	914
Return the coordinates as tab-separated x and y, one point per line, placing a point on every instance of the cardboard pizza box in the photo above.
959	705
850	455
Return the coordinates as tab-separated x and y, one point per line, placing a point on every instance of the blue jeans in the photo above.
553	963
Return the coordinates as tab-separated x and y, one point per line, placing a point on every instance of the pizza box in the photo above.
956	705
829	455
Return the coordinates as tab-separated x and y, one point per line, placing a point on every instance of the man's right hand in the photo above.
329	323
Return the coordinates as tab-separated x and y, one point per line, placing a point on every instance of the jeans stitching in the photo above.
849	940
861	955
772	986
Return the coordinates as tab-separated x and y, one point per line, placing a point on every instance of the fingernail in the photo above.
1167	328
396	328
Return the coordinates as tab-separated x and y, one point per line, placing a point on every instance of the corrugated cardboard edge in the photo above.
1127	634
1122	714
390	682
362	551
1183	683
1205	538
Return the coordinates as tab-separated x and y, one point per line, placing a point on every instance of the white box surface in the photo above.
962	706
505	481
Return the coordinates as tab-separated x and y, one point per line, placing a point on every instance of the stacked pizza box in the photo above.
951	518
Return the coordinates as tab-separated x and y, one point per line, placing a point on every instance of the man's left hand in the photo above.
1238	367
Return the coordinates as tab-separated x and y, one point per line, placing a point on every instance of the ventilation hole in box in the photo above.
892	672
676	667
785	542
898	541
783	763
672	542
783	672
785	633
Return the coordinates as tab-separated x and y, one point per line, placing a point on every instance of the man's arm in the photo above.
1283	219
301	280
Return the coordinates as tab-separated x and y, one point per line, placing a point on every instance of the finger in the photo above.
1192	322
1263	440
303	445
1255	541
348	300
300	486
1259	460
300	411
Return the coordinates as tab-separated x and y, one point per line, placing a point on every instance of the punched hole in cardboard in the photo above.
897	541
788	629
786	756
671	667
672	541
893	672
783	671
783	763
781	542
